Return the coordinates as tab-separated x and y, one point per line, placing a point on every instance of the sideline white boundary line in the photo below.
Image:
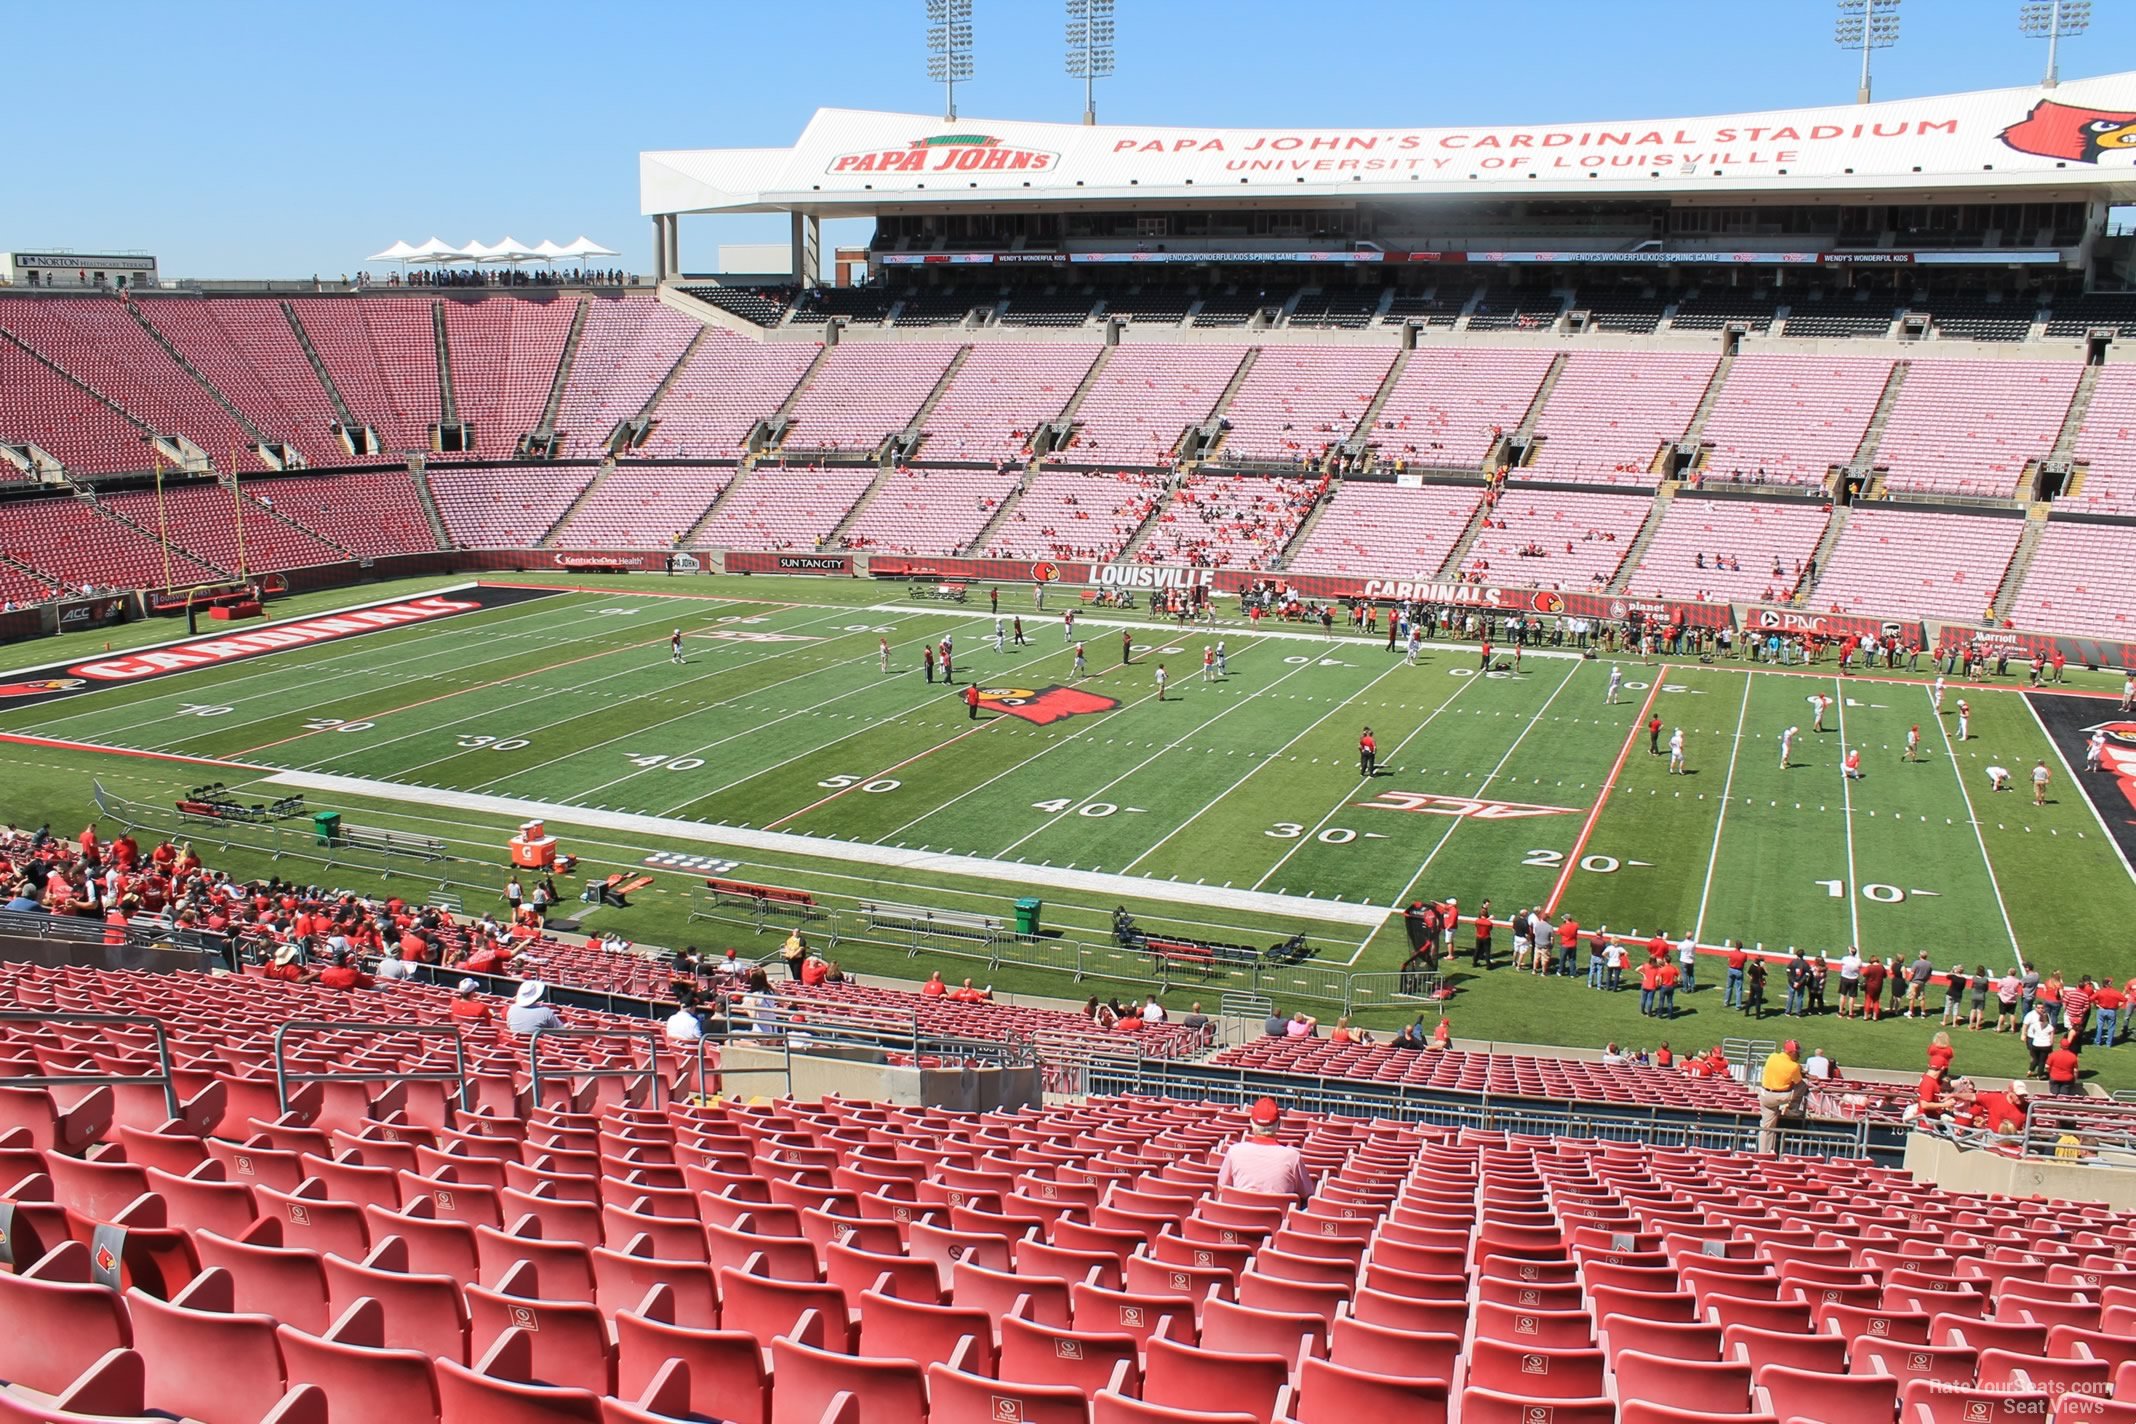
1713	860
2063	758
1008	873
1846	806
1950	750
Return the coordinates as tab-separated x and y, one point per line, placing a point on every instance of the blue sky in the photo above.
245	139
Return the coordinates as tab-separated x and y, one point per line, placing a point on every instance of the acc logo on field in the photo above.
1044	705
49	684
1460	806
1046	572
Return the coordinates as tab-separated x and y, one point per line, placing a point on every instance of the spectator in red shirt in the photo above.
343	974
285	966
1649	983
934	988
814	970
1873	976
965	994
1932	1097
2108	1001
2002	1112
2062	1068
1940	1053
466	1007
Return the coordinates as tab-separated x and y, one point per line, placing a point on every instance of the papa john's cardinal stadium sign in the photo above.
2079	136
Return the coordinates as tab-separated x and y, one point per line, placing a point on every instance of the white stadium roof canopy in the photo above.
2077	141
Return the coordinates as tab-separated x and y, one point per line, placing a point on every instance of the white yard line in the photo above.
1950	749
1343	804
1713	859
2071	773
998	872
1484	785
1196	730
1846	804
545	694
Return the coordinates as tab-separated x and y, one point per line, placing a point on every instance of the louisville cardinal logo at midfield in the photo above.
1044	705
49	684
2054	130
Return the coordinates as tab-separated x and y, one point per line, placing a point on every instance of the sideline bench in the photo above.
920	920
766	898
946	592
391	842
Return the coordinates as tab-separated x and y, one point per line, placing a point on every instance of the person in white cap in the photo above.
528	1012
1262	1164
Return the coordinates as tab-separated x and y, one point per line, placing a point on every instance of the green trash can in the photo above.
327	825
1027	918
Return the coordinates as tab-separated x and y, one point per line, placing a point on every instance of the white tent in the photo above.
478	252
511	249
398	252
549	251
587	247
436	250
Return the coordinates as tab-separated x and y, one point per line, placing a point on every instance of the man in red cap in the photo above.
1262	1164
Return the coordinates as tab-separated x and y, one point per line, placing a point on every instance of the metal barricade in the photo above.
657	1038
162	1078
283	1078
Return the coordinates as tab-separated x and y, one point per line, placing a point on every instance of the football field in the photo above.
1232	806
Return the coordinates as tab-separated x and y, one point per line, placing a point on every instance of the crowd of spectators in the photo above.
504	277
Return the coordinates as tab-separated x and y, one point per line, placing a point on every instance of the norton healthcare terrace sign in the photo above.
2080	137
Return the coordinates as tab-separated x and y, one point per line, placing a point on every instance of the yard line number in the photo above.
842	781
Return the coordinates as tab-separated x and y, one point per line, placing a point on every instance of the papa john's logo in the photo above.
31	689
948	153
1044	705
2054	130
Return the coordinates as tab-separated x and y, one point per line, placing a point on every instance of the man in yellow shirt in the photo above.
1780	1093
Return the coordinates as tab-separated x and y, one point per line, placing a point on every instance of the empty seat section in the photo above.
1611	411
40	407
730	384
1971	427
2106	446
1726	550
999	396
1387	531
1789	419
863	394
2082	580
1559	539
484	510
1298	402
1143	401
369	514
645	507
98	342
202	519
777	508
245	347
1925	563
929	511
626	348
75	543
383	357
1076	514
504	352
1449	406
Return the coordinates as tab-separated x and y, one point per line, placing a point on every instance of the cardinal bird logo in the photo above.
31	689
1046	571
1044	705
2118	756
2076	135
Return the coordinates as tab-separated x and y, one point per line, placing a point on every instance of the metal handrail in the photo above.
657	1038
162	1079
283	1077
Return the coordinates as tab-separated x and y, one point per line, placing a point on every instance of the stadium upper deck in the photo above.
2009	176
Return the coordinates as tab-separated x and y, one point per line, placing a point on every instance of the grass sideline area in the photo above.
780	729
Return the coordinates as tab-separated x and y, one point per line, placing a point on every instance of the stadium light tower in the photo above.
949	48
1090	48
2054	19
1866	25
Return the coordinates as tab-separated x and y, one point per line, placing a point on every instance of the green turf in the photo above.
781	719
